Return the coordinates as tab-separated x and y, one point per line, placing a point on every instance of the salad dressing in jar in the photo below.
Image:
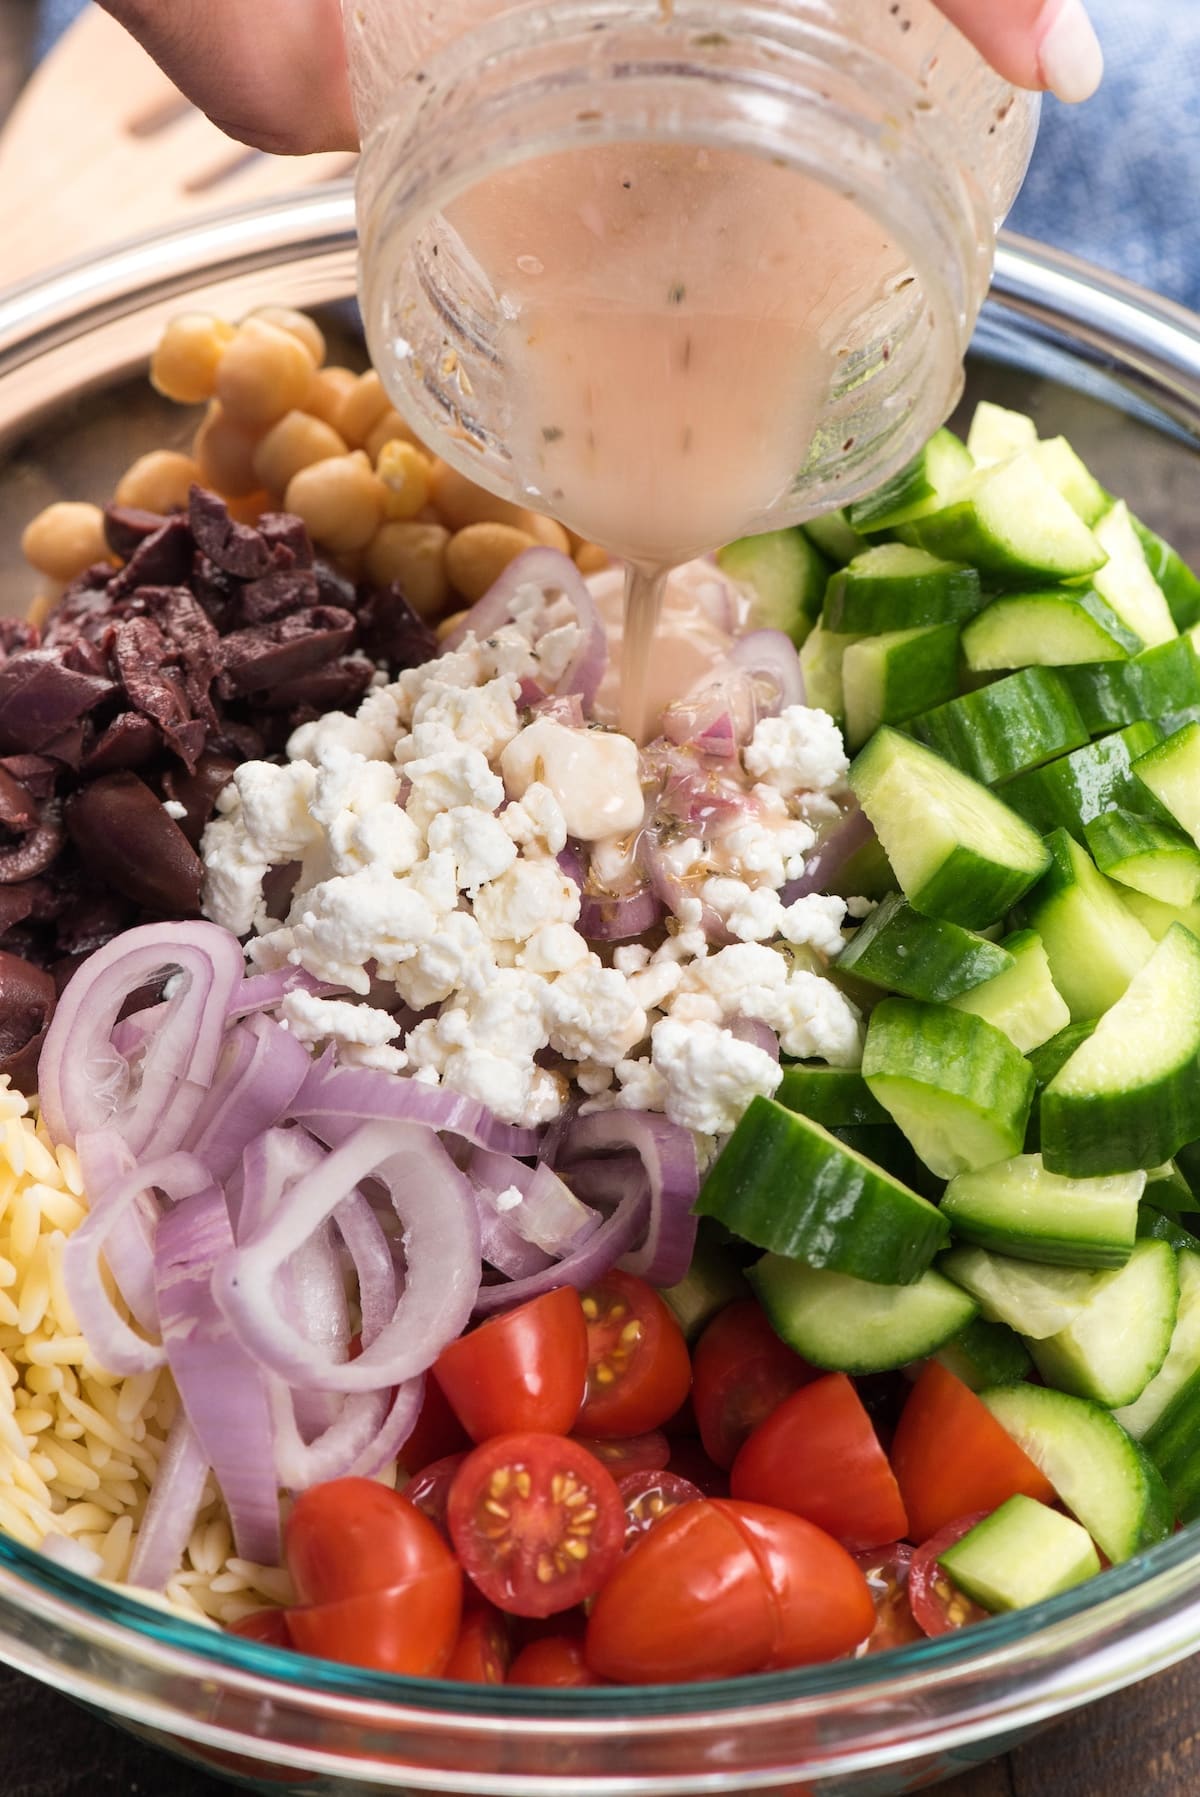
676	274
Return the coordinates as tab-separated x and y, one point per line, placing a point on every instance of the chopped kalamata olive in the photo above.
17	808
35	851
40	698
131	740
288	539
264	656
160	560
123	834
125	526
27	1003
288	590
393	632
234	547
199	791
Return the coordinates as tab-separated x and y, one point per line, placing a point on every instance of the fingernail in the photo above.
1069	57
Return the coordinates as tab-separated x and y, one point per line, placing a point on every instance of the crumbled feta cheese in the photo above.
174	810
631	957
456	776
592	1014
554	948
816	922
858	908
535	821
801	750
361	1033
594	775
751	913
480	846
710	1075
525	898
508	1199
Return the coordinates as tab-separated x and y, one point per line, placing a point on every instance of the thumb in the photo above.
1034	43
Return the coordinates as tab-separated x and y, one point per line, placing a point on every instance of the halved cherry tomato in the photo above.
638	1367
269	1626
353	1537
437	1431
818	1456
951	1456
741	1372
554	1660
649	1496
823	1608
537	1522
409	1628
523	1370
429	1490
886	1572
482	1653
628	1453
937	1604
689	1460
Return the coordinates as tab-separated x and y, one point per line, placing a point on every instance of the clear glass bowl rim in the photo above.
1131	1621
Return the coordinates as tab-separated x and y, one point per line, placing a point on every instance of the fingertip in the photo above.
1070	58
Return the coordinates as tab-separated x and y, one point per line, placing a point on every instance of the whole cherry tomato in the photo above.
409	1628
353	1537
554	1660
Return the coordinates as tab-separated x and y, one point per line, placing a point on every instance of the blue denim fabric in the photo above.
1118	180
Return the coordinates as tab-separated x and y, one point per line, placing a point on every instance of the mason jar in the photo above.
676	270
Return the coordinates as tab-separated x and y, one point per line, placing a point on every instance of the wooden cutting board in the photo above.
101	146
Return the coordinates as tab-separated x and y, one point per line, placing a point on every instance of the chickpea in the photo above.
327	394
64	539
447	626
296	442
548	531
591	559
478	555
461	502
296	324
413	555
184	366
364	405
43	604
158	482
225	455
264	373
341	501
404	471
249	507
391	428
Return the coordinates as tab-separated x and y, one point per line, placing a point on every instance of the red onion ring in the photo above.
261	1069
769	657
852	832
171	1509
263	991
672	1180
603	1248
333	1101
104	1161
757	1033
619	918
553	571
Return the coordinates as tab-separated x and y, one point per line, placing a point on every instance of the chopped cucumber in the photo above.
789	1186
1179	585
1021	1554
1003	729
821	666
1101	1474
834	538
1171	772
1013	523
1126	582
1156	918
1173	1444
1119	1341
1035	1300
1183	1356
1053	629
887	679
957	852
1148	856
956	1086
838	1097
925	485
867	873
850	1326
1129	1097
996	434
783	574
900	950
1023	1001
1156	1226
1162	684
1078	486
1168	1190
1020	1209
1053	1055
893	587
986	1354
711	1282
1093	943
1073	790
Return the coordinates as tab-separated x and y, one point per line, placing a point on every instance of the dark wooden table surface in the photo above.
1140	1743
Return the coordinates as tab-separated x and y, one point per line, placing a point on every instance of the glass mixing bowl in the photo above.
1116	370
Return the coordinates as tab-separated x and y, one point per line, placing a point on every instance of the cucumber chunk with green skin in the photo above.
1055	629
1023	1001
1021	1554
1094	944
1119	1341
838	1097
1173	1444
784	576
985	1354
849	1326
1035	1300
1016	723
1129	1097
1167	1190
955	1085
1162	684
833	536
893	587
821	667
1013	523
926	484
866	874
1156	1226
790	1186
1078	486
1126	582
1180	587
1156	918
1105	1479
886	1147
1019	1209
1183	1356
1053	1055
1148	856
1171	772
956	850
901	950
887	679
1070	792
711	1282
997	434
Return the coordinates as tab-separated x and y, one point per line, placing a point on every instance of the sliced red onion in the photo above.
548	1213
221	1387
368	1248
435	1205
86	1085
172	1508
261	1069
851	833
619	919
117	1347
554	572
104	1161
770	657
705	720
668	1157
562	708
500	1245
264	991
333	1101
573	863
603	1248
367	1433
677	895
754	1031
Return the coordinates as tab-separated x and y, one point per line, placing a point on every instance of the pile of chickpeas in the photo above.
286	430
